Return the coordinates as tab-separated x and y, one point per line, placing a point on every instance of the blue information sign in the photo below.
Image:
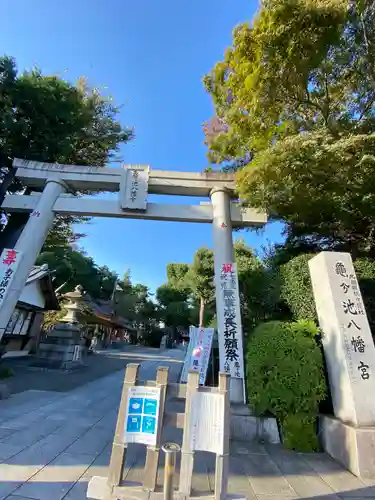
142	414
135	405
150	407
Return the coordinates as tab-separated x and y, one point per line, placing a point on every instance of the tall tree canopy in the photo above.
184	298
74	267
189	296
173	305
46	118
295	111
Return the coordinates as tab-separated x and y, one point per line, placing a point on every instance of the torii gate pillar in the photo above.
224	254
30	244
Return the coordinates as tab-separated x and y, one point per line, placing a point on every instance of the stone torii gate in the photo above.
61	183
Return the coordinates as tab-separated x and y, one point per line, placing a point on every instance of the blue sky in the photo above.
151	57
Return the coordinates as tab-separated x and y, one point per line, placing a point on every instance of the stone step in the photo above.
246	427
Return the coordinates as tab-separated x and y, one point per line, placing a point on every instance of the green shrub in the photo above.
296	289
365	270
299	432
285	378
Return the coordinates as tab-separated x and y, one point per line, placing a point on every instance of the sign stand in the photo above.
187	454
142	417
119	447
152	457
189	444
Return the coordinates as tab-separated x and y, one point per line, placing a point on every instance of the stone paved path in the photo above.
51	443
25	378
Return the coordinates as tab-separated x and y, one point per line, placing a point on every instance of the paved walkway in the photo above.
27	378
51	443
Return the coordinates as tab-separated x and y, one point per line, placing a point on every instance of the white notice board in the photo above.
142	415
207	422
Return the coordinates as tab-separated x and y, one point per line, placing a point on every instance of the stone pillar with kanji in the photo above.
225	267
349	351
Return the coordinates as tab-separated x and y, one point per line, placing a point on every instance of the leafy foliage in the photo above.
176	275
194	285
173	306
295	105
46	118
286	379
132	302
73	267
272	81
365	270
323	187
296	288
200	279
259	288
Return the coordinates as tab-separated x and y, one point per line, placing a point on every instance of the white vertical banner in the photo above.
201	352
229	322
207	348
9	261
134	187
198	353
186	367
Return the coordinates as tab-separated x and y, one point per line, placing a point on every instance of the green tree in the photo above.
46	118
63	234
259	288
295	105
200	278
133	302
177	276
74	267
173	307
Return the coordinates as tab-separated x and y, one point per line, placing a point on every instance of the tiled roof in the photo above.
104	310
43	274
37	273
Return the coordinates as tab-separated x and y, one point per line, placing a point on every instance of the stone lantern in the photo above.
62	349
73	307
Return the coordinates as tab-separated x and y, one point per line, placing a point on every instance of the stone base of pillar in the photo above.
236	391
61	349
246	427
352	447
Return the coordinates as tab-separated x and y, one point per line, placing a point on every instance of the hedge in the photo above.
285	378
365	270
296	289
